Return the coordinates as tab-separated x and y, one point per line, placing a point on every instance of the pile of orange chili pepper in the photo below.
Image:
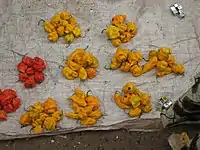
86	108
80	64
42	116
162	60
120	31
9	102
62	24
133	99
31	71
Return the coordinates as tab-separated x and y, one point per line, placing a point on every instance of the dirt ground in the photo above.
101	140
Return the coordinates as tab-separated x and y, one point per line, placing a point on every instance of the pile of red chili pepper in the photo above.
31	71
9	102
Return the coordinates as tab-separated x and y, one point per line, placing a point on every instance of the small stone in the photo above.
79	143
180	7
52	141
181	14
117	137
176	5
173	10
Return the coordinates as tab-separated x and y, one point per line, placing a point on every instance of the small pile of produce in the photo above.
9	102
31	71
162	60
120	31
133	99
42	116
86	107
80	64
62	24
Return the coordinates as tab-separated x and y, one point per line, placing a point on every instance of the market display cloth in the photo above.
21	33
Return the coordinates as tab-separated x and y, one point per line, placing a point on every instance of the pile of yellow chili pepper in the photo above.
133	99
120	31
62	24
162	60
86	107
42	116
80	64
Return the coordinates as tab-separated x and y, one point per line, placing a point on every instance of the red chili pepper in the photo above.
3	115
21	67
30	83
39	68
9	92
16	102
8	108
23	77
30	71
38	60
6	99
28	61
39	77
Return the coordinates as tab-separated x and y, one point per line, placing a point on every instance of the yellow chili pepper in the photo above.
72	65
25	119
53	36
50	123
79	93
121	54
116	42
171	60
115	63
72	115
126	66
117	98
112	32
79	101
152	53
135	112
95	62
166	71
162	65
147	108
132	28
88	121
163	53
75	107
69	38
135	101
69	73
72	20
89	109
82	114
77	32
122	27
96	114
92	101
145	98
55	20
136	70
48	27
129	88
88	58
61	30
126	99
118	19
134	57
69	28
125	37
65	15
38	129
64	23
150	65
178	69
82	74
57	115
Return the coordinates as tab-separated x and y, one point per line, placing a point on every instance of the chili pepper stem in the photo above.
41	20
145	59
68	46
107	68
19	53
89	91
86	47
61	66
103	31
118	92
